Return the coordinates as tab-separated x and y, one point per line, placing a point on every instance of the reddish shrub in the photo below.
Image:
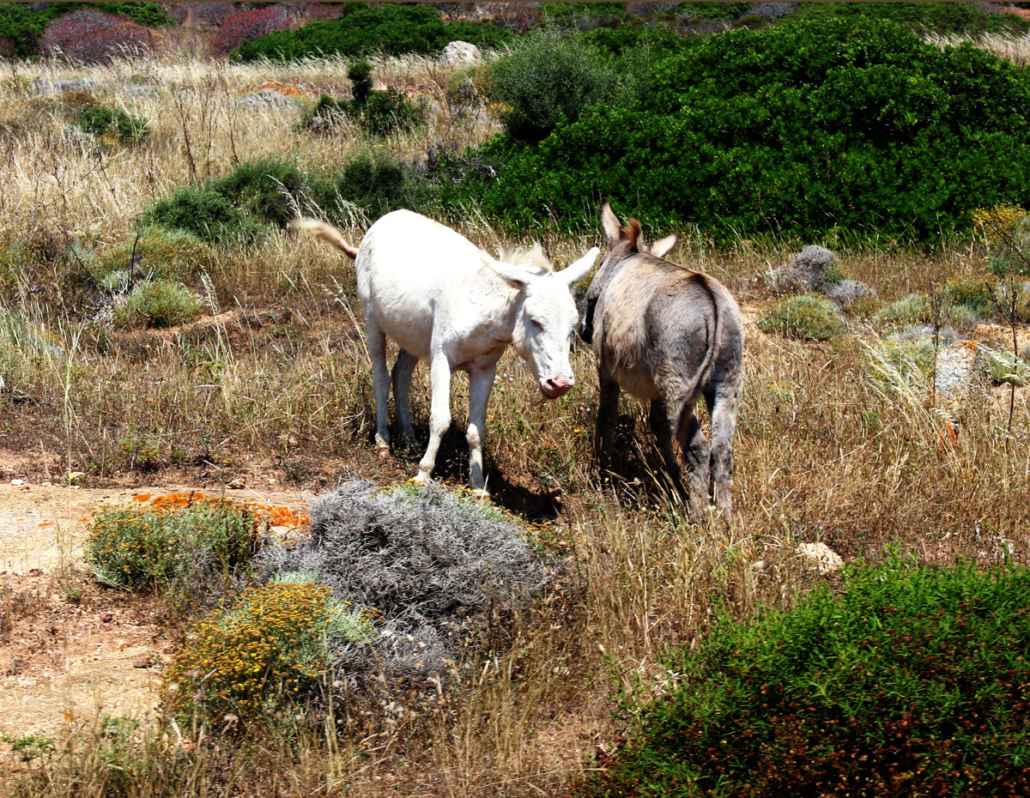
313	11
242	26
92	36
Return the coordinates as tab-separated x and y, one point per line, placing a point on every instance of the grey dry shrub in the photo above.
431	565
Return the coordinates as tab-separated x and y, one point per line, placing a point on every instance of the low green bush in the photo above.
960	18
272	647
391	29
910	309
380	113
158	303
806	317
102	121
156	253
377	182
976	295
206	214
583	16
265	189
142	548
549	79
909	681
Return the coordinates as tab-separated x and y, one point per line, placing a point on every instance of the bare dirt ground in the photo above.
71	650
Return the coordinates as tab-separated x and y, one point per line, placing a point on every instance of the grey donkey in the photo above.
669	335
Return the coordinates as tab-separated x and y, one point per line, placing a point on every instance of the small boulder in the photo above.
820	557
957	368
266	99
461	54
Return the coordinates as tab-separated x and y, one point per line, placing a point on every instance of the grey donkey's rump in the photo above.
669	336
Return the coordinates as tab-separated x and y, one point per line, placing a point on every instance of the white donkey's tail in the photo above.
326	232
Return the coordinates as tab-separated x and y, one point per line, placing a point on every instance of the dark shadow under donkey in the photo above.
668	335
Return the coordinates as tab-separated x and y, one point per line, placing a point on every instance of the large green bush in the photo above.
802	129
378	183
392	29
911	681
968	18
206	214
549	79
23	24
99	120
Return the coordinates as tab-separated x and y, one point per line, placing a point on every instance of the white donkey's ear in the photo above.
662	246
581	268
515	276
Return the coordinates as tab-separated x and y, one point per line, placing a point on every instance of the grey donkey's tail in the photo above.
326	232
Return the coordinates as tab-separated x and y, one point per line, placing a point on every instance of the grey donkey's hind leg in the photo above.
664	427
607	415
724	423
695	449
402	371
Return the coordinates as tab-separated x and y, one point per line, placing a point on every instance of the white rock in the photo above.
17	483
821	557
461	54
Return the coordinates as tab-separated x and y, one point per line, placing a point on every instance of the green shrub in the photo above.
391	29
723	11
360	74
976	295
549	79
159	253
910	309
583	16
968	18
806	128
378	183
206	214
379	113
142	548
24	24
101	121
272	647
807	317
158	303
265	189
911	681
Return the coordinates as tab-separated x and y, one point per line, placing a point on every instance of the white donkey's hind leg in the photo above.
380	380
480	385
439	413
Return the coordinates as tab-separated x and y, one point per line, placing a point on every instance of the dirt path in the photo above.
69	649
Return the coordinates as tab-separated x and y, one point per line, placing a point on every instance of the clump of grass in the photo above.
101	121
805	317
140	548
911	675
157	253
910	309
975	296
158	303
269	649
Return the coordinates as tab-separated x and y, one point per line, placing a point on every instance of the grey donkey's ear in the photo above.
662	246
610	223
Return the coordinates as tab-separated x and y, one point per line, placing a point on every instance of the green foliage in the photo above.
724	11
206	214
1005	367
584	15
549	80
910	309
378	183
29	746
380	113
911	681
101	121
807	317
159	253
968	18
975	294
804	128
1009	255
23	24
158	303
263	189
24	343
360	75
269	649
392	29
141	548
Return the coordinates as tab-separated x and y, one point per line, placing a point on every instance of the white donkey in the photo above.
443	299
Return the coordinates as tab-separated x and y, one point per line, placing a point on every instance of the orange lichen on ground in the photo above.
285	89
275	515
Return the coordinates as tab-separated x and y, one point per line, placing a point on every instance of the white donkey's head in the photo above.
546	320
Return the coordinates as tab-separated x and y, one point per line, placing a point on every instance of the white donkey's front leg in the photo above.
439	413
480	384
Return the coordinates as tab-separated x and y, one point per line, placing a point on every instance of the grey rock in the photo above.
50	87
771	10
461	54
805	271
957	370
916	332
265	100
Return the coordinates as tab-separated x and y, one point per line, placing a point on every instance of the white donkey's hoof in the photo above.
421	478
480	493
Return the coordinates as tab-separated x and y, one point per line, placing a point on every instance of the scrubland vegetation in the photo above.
577	636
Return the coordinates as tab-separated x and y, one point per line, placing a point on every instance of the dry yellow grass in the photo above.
823	451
